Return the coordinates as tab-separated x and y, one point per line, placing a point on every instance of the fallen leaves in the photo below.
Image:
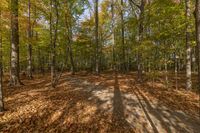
84	103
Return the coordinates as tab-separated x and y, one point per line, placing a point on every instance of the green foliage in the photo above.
163	36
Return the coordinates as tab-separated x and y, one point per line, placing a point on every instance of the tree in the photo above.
51	44
69	32
140	34
113	34
198	36
14	72
122	37
188	47
1	68
127	35
53	37
97	36
29	45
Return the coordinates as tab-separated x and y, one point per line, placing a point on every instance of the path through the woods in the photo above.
109	103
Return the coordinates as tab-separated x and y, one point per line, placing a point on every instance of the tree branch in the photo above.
134	3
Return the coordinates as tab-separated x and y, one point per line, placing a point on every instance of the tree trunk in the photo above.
53	39
71	60
70	47
29	46
113	36
141	30
97	36
68	24
14	73
40	62
51	44
166	72
1	78
198	37
188	47
122	36
176	61
1	68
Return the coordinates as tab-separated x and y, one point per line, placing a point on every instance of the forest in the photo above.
100	66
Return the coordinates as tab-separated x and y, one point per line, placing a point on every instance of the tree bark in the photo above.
53	38
166	72
29	45
198	37
14	73
188	47
51	43
141	30
71	59
122	36
176	70
113	35
68	24
1	69
97	36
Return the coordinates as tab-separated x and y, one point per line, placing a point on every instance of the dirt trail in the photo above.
110	103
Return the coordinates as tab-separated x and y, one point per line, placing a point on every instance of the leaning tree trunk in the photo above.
68	26
14	73
188	47
198	37
29	45
1	68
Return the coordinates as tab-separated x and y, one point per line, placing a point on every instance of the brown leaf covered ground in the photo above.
105	103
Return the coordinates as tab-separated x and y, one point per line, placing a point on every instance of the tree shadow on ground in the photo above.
118	115
174	99
166	119
84	104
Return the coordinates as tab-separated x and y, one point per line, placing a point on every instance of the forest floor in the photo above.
107	103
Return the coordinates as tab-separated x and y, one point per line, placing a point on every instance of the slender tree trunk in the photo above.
1	69
53	39
176	70
67	56
122	37
97	36
15	78
40	62
197	13
193	56
100	49
188	47
141	30
29	46
51	43
68	24
1	78
71	60
198	37
70	48
166	72
113	35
